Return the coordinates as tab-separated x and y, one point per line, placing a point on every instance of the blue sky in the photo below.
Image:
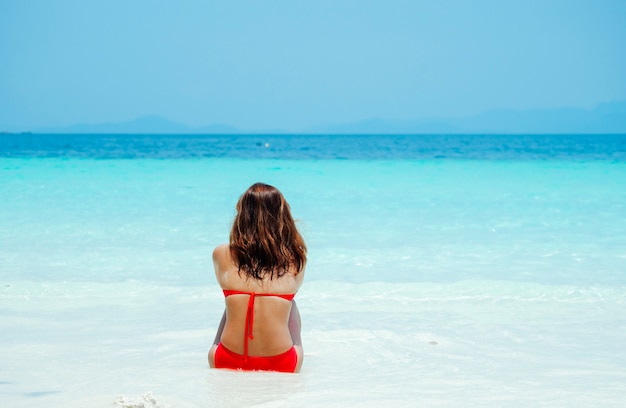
260	65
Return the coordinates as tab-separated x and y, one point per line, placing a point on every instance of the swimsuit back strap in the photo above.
286	296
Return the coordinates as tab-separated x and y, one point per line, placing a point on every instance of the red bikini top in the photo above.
250	312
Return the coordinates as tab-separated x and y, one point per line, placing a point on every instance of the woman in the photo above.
260	271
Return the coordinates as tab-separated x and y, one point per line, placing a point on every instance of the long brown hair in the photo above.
264	238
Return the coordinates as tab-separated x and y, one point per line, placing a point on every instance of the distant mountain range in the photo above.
604	118
146	124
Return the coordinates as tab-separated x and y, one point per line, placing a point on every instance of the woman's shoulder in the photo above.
221	251
222	262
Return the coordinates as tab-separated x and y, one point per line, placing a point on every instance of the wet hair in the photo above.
264	238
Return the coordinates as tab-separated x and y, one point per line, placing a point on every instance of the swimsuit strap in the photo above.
286	296
250	313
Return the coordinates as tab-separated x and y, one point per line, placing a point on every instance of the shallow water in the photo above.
482	282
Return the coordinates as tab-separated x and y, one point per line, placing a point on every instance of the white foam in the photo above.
144	401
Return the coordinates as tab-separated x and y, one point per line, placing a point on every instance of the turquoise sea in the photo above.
459	270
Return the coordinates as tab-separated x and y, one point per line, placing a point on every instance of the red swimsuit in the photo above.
225	358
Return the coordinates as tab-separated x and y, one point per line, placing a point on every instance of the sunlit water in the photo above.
445	272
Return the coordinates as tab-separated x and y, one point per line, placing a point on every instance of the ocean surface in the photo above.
462	270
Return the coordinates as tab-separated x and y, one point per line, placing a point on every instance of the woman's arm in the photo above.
220	329
295	324
217	340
